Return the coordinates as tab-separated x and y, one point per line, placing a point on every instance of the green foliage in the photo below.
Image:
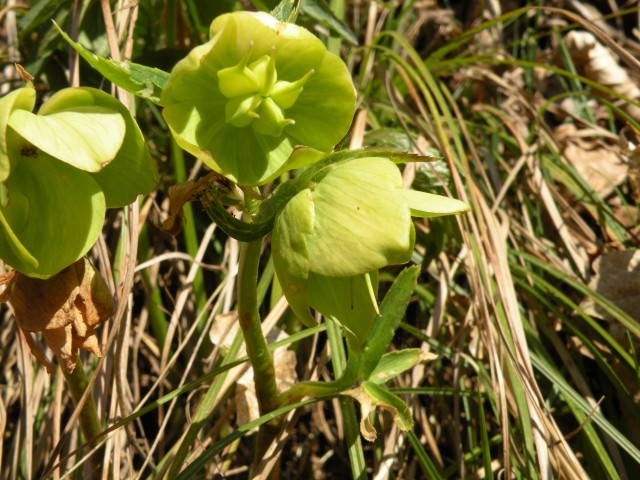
145	82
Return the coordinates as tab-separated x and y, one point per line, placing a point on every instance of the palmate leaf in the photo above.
286	11
371	396
427	205
145	82
321	12
362	365
394	363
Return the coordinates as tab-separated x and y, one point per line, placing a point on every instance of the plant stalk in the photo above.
89	422
257	351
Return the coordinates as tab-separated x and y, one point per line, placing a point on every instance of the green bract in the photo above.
60	170
257	89
349	221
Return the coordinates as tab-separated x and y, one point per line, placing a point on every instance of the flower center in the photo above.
255	95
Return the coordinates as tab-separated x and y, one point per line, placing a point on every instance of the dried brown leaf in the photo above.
224	329
617	277
66	308
601	165
179	194
597	63
183	193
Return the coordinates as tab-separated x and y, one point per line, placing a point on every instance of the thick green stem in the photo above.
249	318
257	351
88	419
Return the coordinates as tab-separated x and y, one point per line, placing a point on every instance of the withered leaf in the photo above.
601	165
66	308
180	194
618	279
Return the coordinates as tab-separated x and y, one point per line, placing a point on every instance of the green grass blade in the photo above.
428	467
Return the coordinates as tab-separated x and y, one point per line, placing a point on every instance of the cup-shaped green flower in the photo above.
244	100
331	238
60	170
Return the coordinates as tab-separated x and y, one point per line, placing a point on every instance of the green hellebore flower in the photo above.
60	170
257	89
343	227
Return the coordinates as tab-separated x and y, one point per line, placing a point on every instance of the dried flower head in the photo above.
66	309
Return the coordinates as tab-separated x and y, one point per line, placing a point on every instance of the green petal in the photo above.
347	300
23	256
427	205
85	137
290	255
240	154
361	221
194	79
300	157
56	211
132	171
21	99
324	110
296	49
237	35
195	108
